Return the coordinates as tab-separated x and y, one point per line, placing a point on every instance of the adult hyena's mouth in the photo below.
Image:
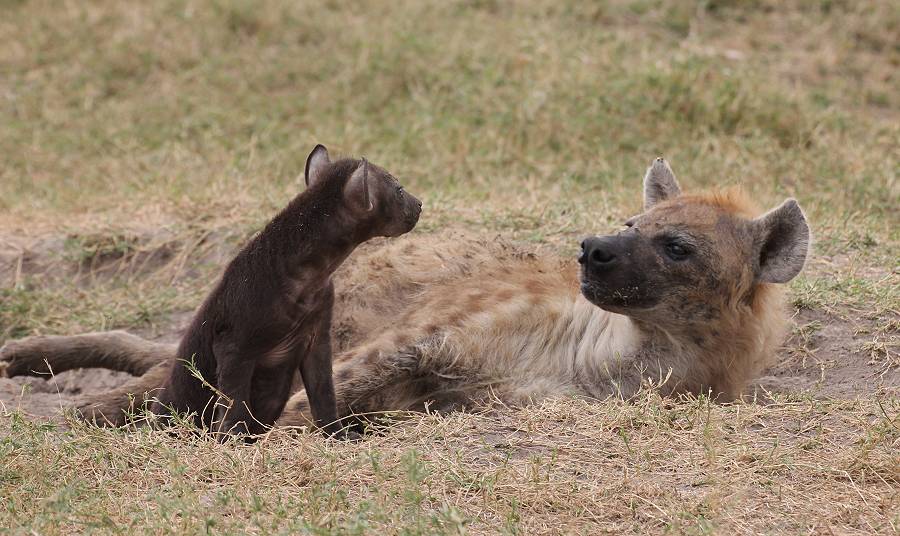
618	298
594	293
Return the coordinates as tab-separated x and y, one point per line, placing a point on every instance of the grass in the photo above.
660	466
142	142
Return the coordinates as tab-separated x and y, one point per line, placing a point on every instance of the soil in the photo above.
831	356
839	354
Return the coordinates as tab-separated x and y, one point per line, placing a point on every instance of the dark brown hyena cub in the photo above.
271	311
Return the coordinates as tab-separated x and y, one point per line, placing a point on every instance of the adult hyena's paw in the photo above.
24	357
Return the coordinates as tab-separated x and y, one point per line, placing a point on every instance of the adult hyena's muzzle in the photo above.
613	275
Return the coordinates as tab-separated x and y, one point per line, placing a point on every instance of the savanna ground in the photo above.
142	142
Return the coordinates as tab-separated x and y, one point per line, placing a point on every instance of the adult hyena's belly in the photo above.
511	333
506	334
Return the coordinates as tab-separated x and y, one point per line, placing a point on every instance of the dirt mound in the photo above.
46	397
836	357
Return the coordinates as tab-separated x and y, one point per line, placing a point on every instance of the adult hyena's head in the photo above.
688	256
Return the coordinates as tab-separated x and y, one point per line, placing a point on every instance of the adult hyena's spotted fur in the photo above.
448	319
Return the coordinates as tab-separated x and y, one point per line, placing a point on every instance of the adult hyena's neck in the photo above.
599	344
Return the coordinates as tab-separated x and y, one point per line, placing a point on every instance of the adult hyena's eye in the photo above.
677	251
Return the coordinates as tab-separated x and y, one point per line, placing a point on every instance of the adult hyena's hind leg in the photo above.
115	350
369	383
361	381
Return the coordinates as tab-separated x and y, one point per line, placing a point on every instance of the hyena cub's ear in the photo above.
659	183
316	163
782	239
358	190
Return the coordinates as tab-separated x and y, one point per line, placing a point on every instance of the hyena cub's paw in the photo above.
99	414
231	429
351	436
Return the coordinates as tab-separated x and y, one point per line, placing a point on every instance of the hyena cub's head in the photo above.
372	198
686	257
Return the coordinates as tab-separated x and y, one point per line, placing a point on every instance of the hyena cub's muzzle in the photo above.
614	272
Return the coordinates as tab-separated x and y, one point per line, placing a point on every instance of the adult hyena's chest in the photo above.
523	349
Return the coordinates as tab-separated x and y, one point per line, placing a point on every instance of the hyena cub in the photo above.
271	311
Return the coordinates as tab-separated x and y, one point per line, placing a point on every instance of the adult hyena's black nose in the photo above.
598	253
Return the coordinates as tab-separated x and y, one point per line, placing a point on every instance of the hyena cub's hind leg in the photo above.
116	406
150	362
115	350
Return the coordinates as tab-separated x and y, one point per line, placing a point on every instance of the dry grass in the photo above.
142	141
689	466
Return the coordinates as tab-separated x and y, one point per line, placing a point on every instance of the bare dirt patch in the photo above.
827	355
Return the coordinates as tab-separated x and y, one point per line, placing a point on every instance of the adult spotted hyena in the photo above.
686	297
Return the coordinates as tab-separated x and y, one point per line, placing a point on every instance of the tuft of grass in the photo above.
86	248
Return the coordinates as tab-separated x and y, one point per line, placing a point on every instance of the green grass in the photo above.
142	142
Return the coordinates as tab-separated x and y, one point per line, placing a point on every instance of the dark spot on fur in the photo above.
535	287
343	375
476	303
456	318
505	294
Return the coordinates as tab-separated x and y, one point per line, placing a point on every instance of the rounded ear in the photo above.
659	183
316	163
357	191
782	240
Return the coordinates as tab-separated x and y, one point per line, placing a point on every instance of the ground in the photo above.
143	142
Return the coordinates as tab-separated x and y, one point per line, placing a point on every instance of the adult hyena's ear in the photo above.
316	163
358	190
782	239
659	183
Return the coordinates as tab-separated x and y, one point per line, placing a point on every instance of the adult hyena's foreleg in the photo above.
113	407
115	350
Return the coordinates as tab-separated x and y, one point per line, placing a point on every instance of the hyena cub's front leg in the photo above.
115	350
360	381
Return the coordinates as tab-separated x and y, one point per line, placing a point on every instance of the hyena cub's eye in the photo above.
677	251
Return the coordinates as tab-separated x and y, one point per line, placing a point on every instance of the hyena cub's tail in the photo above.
115	350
